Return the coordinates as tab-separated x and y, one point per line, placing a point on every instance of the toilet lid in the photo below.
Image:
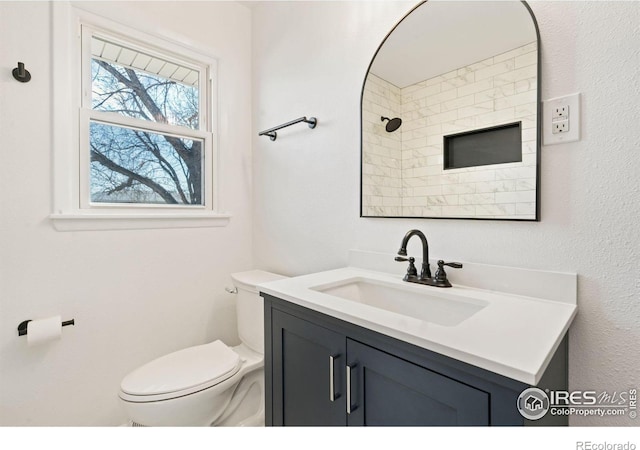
209	363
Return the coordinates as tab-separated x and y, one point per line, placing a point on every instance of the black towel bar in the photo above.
271	132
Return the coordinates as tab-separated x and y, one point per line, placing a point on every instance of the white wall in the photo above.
134	295
310	58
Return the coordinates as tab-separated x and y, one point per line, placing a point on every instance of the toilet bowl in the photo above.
210	384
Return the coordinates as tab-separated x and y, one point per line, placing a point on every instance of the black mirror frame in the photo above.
538	128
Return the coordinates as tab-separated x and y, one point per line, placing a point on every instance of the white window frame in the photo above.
72	114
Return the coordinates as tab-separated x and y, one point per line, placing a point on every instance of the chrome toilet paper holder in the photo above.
22	328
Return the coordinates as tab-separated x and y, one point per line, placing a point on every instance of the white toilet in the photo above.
210	384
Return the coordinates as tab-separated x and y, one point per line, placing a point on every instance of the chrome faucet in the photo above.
440	280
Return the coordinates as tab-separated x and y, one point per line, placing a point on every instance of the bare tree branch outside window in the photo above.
140	166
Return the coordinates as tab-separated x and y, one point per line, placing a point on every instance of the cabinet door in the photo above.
308	373
387	390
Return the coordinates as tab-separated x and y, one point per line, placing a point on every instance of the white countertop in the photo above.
514	335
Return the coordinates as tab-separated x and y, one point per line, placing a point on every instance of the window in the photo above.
142	117
145	130
144	125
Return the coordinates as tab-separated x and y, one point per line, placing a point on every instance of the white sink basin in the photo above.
420	302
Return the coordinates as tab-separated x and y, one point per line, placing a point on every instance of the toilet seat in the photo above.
181	373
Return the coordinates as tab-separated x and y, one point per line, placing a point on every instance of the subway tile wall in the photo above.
382	155
403	171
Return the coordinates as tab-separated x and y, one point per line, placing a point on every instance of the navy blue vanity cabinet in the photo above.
387	390
320	370
309	358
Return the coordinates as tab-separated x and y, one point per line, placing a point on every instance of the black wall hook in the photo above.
21	74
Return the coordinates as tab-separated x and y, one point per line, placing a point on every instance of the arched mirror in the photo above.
450	115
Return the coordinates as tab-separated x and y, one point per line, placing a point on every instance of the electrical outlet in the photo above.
560	112
561	119
560	126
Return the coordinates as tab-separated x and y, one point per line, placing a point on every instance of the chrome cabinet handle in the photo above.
332	394
348	389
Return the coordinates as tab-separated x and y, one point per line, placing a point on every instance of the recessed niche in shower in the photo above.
495	145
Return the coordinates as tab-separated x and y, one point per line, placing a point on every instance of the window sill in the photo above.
103	221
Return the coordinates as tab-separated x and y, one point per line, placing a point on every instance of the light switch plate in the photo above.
565	109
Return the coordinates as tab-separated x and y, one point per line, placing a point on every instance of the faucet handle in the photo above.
441	275
455	265
411	270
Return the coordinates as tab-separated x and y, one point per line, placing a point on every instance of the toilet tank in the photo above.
250	308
